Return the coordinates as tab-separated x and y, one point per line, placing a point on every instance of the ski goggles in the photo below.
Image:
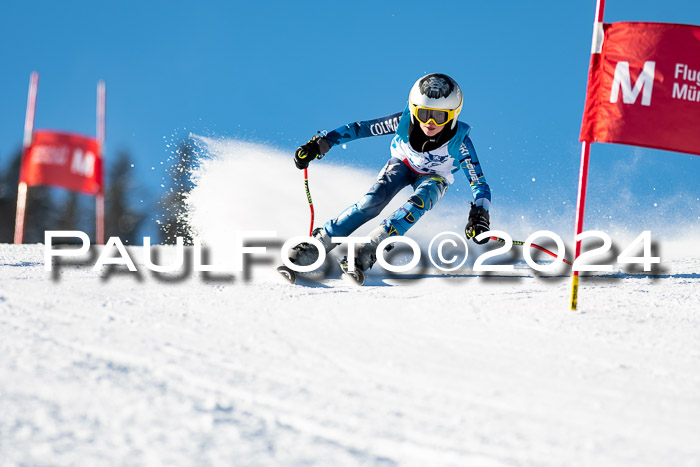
438	116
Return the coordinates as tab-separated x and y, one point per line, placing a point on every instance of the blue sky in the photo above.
275	72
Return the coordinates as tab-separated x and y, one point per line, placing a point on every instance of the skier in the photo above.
428	147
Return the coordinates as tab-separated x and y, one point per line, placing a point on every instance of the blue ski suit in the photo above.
429	173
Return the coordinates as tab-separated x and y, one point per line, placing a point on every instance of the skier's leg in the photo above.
394	176
428	191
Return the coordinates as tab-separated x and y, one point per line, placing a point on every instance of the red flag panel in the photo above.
64	160
644	87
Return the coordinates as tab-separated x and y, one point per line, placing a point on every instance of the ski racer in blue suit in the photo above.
428	147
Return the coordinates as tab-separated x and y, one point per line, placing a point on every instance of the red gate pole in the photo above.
596	49
100	198
26	142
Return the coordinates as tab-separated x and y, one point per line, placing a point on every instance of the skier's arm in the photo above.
472	170
479	218
318	146
352	131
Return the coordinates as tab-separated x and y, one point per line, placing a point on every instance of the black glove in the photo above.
478	223
315	148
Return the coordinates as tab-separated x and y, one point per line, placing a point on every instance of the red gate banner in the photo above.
63	160
644	89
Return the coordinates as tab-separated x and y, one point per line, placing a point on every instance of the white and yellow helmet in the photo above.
435	97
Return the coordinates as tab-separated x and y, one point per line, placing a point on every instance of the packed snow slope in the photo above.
121	368
111	367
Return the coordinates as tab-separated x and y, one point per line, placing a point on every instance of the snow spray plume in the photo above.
239	185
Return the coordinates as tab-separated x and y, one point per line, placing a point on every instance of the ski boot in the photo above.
365	256
305	254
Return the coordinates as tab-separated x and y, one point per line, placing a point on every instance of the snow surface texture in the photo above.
110	367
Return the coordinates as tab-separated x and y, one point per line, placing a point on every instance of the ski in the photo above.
288	274
357	276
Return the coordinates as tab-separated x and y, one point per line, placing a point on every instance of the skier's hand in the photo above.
478	223
315	148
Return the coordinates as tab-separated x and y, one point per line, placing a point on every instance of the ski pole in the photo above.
308	197
533	245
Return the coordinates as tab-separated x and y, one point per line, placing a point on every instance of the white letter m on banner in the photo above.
622	79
